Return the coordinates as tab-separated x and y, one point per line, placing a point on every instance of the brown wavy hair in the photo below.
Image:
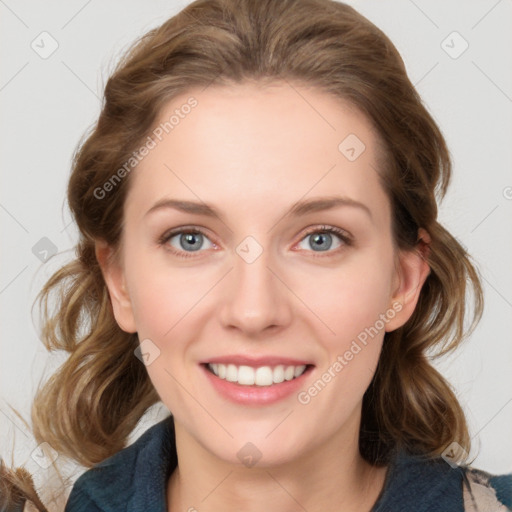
88	408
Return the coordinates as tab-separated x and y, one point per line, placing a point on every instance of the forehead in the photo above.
249	146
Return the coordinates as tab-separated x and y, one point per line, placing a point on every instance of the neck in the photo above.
332	476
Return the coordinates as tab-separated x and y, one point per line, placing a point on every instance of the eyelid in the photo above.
327	228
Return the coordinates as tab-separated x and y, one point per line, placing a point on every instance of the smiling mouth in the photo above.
257	376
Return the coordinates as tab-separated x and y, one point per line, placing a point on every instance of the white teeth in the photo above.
231	372
289	373
245	375
278	374
261	376
297	372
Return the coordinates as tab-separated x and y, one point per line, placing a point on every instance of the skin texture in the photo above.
252	152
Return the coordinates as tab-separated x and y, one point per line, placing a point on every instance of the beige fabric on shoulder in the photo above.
480	496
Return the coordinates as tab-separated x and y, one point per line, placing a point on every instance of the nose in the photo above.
255	299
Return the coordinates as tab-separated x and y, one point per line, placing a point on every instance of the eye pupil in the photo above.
189	239
322	237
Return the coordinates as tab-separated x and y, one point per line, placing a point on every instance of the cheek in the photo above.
353	307
164	303
153	307
351	297
352	302
161	295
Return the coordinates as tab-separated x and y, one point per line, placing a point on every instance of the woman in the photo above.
260	252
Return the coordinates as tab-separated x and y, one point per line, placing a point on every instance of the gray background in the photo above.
47	104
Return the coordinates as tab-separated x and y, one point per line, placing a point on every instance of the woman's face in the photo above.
260	286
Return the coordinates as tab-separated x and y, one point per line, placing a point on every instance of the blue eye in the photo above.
322	239
188	240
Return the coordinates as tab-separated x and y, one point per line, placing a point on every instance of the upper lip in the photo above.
239	360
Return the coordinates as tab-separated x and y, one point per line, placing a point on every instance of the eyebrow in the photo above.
299	208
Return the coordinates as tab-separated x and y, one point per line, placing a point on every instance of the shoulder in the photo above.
431	484
483	491
136	474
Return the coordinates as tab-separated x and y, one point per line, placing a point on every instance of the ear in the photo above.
412	271
113	275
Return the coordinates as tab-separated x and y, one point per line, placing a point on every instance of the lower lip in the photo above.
256	395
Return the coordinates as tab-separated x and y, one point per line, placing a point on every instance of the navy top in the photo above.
135	479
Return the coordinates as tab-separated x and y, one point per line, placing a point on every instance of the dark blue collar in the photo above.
420	484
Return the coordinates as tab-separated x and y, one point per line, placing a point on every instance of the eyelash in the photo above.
342	234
